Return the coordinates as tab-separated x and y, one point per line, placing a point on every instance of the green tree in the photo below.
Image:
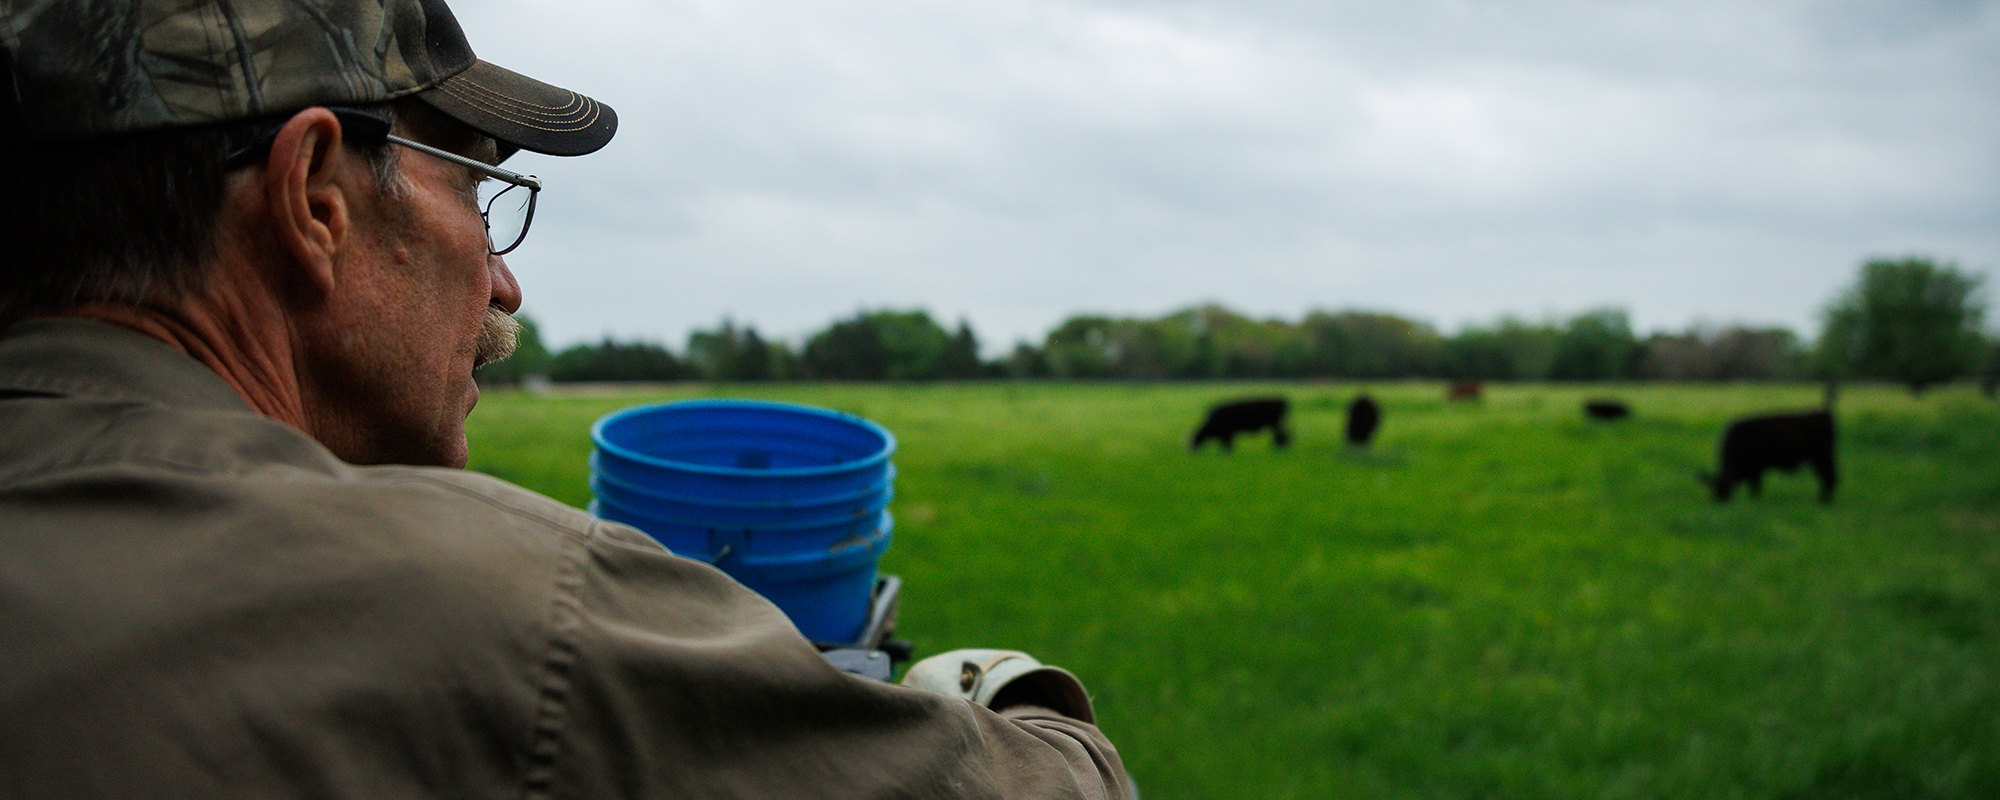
879	345
1027	361
1732	354
1210	341
729	353
1513	350
913	342
850	349
754	360
617	361
1364	344
1909	320
961	355
1083	347
1595	346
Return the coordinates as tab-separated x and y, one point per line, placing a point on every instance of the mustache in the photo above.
499	334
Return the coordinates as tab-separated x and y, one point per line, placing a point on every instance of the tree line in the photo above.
1909	320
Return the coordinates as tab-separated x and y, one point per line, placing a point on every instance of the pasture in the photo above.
1500	599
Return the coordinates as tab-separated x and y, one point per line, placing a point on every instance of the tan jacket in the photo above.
197	601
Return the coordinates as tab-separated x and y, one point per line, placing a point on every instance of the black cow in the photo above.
1227	420
1363	417
1775	441
1606	409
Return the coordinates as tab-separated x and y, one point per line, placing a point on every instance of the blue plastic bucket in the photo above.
790	500
660	504
825	592
758	530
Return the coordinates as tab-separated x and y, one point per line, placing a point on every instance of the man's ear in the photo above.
307	201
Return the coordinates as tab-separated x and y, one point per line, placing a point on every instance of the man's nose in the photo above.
506	290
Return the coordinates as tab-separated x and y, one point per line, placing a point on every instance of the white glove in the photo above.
1012	677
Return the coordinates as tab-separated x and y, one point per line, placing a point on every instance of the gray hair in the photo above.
125	220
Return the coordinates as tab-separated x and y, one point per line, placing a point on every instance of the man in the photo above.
250	268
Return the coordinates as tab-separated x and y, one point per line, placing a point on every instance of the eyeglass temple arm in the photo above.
515	178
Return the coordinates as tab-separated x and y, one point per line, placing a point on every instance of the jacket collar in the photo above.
67	356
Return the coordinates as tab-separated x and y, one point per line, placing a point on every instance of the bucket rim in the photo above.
598	475
888	439
623	510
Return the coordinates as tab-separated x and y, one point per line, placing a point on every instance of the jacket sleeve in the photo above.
665	678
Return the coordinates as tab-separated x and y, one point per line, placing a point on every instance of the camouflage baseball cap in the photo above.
79	68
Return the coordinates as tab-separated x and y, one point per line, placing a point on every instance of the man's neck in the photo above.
253	359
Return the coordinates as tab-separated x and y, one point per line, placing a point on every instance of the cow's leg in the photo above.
1827	476
1753	483
1279	436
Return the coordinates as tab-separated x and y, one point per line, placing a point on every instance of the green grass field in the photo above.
1500	600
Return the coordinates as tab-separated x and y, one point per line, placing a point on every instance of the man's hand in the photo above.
1001	679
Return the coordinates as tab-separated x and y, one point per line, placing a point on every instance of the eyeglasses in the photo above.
505	212
506	217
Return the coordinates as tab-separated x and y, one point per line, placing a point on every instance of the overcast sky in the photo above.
1014	162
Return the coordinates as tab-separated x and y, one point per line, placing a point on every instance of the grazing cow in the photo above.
1363	417
1775	441
1227	420
1463	390
1606	409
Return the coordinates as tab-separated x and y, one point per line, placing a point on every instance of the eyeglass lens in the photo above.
508	209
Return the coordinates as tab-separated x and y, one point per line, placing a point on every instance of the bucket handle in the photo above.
724	542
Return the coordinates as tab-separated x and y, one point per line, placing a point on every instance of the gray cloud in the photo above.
789	163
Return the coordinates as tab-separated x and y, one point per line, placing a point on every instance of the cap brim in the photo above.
523	112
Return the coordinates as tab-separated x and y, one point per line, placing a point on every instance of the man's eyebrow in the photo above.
487	150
